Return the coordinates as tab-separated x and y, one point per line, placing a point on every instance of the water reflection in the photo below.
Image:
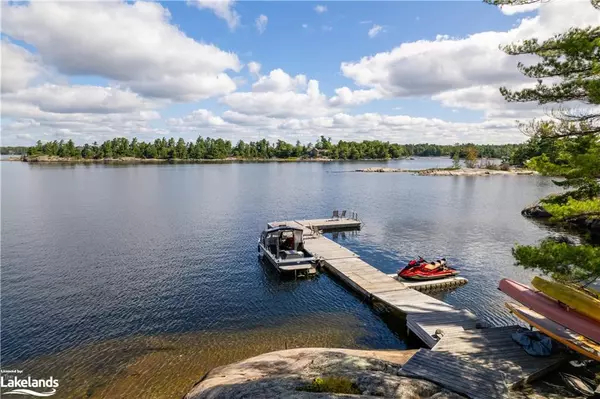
96	255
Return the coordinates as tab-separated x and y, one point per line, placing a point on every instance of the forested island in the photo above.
220	149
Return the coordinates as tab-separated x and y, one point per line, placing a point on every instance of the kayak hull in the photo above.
551	309
556	331
573	298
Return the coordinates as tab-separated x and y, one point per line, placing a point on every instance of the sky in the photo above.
398	71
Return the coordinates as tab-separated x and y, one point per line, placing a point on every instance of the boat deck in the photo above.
487	360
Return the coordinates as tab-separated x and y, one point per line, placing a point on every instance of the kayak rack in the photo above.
470	350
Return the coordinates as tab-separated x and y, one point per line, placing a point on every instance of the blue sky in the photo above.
431	73
318	52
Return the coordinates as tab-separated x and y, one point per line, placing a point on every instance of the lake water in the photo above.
132	281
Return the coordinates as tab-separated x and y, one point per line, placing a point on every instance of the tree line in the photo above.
209	148
13	150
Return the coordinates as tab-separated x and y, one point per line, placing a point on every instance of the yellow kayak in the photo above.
573	340
575	299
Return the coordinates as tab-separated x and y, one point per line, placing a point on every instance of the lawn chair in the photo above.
336	215
343	214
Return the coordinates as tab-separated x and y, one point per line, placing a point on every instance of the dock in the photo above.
464	356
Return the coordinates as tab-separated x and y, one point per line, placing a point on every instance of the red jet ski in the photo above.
420	269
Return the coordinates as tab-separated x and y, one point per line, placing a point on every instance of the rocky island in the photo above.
452	171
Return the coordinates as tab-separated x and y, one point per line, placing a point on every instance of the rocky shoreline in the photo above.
370	373
452	172
586	223
287	373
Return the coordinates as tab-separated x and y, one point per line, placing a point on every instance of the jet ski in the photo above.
420	269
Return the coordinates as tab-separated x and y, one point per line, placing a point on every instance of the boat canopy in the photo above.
283	238
282	228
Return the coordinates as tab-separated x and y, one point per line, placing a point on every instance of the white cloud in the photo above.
366	22
254	68
320	9
222	9
280	104
327	28
283	96
148	62
19	67
77	99
375	30
279	81
342	126
428	67
261	23
82	127
133	43
520	8
346	97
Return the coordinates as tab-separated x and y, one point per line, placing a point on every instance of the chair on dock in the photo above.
336	215
343	214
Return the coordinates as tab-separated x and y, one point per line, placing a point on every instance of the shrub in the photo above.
332	385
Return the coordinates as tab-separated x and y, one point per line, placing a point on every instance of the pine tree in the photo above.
568	71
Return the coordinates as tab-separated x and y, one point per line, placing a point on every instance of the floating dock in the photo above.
477	362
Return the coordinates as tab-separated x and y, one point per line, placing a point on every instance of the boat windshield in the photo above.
283	240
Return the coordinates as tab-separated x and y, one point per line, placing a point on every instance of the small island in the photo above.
453	171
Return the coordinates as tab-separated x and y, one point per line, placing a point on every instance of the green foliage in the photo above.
566	145
456	161
572	57
535	146
470	156
574	208
208	148
13	150
564	262
332	385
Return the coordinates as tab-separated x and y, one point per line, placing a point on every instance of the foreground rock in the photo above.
452	172
284	374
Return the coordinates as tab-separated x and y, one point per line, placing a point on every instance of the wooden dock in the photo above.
487	361
480	363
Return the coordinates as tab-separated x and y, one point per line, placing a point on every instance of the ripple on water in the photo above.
168	365
115	270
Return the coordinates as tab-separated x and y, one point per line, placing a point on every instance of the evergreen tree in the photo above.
568	71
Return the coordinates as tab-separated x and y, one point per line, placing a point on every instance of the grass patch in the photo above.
331	385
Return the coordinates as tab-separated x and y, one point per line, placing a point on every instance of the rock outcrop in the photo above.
589	223
451	172
536	211
283	374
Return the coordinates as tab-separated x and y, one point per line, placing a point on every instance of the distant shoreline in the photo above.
452	172
132	160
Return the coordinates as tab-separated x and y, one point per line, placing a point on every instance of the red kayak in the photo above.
551	309
420	269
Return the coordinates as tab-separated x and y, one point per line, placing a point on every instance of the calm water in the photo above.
100	260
